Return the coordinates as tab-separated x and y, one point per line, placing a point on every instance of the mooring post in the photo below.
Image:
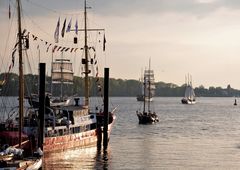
41	103
99	136
106	114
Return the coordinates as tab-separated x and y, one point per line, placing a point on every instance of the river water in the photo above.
201	136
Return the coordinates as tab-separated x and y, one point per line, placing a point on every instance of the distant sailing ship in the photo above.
147	116
148	88
189	96
62	74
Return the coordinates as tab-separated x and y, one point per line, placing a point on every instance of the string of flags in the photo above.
55	47
62	48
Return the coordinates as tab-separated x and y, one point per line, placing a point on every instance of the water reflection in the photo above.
79	158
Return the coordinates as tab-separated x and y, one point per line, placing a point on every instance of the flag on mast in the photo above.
69	26
104	42
76	27
63	28
9	11
56	33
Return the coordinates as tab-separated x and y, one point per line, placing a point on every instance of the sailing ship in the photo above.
61	74
149	77
147	116
189	97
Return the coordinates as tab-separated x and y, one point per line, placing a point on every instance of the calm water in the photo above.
201	136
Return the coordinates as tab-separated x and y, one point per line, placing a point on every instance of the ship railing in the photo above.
70	129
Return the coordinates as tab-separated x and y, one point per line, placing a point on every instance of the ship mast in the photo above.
85	61
144	94
149	85
61	70
86	57
21	82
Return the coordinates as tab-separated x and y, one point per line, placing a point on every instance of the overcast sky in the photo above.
200	37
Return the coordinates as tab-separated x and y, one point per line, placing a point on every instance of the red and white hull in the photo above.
80	140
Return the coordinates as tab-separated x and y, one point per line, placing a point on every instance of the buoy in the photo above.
235	103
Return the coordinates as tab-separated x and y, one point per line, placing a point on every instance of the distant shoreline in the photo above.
117	88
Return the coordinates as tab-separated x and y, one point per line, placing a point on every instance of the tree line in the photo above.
117	87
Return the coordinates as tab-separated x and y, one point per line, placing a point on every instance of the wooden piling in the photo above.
106	114
42	67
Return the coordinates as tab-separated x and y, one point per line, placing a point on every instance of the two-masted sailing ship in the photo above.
148	90
147	116
189	95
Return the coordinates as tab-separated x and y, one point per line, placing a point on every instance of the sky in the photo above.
199	37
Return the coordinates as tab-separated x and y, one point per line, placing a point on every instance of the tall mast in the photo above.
52	73
144	94
149	85
86	56
21	82
38	68
61	69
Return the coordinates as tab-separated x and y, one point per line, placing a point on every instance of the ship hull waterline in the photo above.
78	140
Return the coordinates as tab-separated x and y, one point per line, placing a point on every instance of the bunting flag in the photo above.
75	49
54	48
34	37
69	26
63	28
56	33
48	47
13	56
63	49
76	27
9	11
104	42
59	48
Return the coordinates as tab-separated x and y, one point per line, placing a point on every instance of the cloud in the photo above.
132	7
125	8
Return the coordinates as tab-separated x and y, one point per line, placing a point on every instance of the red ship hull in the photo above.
80	140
